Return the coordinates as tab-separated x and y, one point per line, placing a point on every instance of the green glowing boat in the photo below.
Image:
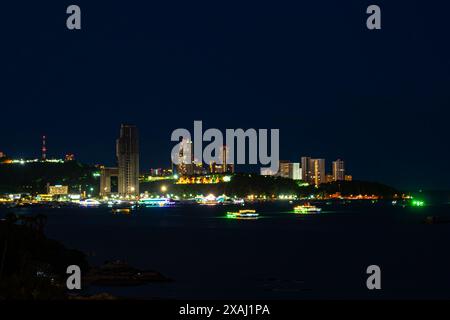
306	209
245	213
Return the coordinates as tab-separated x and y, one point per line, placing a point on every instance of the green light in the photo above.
231	214
418	203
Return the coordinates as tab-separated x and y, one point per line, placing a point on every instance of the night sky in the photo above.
377	99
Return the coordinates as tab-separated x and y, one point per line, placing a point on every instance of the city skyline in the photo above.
308	169
314	72
127	169
216	159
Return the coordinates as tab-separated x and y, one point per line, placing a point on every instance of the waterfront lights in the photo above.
161	202
89	203
163	188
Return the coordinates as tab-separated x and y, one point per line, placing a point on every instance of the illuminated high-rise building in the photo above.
295	172
306	170
290	170
127	150
313	170
283	169
224	158
185	165
338	170
318	171
225	166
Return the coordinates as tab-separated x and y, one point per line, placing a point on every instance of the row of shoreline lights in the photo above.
23	161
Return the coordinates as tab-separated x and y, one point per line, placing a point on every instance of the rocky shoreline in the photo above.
119	273
33	267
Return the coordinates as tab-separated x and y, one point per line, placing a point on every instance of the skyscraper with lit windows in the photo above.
290	170
186	161
306	170
338	170
225	166
313	170
127	150
318	171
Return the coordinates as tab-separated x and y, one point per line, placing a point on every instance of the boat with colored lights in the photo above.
121	210
156	202
306	209
209	200
243	213
89	203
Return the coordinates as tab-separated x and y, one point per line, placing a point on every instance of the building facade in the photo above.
290	170
319	175
186	166
306	170
313	170
225	166
106	174
58	190
338	170
127	151
267	172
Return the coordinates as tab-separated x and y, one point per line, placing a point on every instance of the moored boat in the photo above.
306	209
89	203
243	213
156	202
121	210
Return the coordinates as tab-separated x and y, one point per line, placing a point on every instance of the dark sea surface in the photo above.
279	256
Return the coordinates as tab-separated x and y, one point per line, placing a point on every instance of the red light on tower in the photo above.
44	149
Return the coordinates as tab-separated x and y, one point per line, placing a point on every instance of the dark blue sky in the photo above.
377	99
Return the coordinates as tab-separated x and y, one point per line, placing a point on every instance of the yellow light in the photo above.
163	188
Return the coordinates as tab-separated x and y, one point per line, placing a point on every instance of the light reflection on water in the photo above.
279	255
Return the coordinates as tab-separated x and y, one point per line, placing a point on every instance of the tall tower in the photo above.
44	149
186	158
227	167
318	166
338	170
127	150
306	169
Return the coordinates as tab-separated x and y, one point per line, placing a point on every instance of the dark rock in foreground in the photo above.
119	273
